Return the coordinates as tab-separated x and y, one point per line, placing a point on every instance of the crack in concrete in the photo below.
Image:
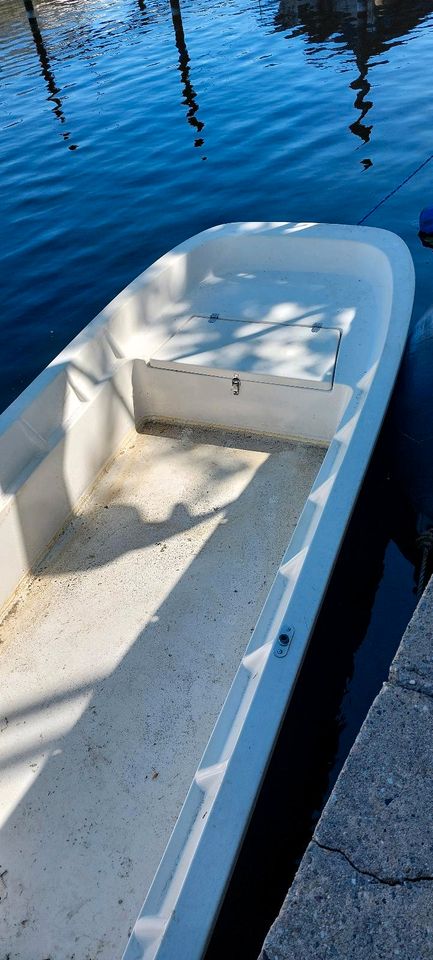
388	881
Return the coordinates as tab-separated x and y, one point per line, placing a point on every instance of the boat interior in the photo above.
121	651
161	485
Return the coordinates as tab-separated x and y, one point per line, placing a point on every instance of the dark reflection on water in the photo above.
47	73
188	90
367	28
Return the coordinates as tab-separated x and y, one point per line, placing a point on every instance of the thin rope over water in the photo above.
396	189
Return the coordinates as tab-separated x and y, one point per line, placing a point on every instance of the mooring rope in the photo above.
425	541
396	189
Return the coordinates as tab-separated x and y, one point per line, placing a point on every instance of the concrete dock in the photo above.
364	889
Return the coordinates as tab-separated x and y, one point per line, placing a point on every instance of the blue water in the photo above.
127	126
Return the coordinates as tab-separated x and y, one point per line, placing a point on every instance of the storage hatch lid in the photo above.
261	351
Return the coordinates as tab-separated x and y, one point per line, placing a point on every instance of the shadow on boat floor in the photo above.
368	604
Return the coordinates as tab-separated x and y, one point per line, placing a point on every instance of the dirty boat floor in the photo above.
115	661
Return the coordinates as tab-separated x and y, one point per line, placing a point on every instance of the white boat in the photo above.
175	487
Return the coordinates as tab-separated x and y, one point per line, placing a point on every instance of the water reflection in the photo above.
367	28
184	60
147	15
46	70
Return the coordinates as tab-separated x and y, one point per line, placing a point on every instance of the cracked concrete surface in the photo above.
389	881
334	912
379	813
364	888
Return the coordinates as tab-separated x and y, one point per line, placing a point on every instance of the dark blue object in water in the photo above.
426	220
426	226
413	420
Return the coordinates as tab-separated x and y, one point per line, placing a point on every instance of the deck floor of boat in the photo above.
116	659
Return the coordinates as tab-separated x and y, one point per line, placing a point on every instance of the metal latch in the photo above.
283	642
236	385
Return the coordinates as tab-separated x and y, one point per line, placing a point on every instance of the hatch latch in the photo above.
236	385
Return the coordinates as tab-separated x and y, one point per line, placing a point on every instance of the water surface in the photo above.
127	126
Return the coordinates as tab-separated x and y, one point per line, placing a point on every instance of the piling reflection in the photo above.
367	28
184	60
46	69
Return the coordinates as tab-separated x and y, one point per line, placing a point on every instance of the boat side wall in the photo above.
53	471
61	431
